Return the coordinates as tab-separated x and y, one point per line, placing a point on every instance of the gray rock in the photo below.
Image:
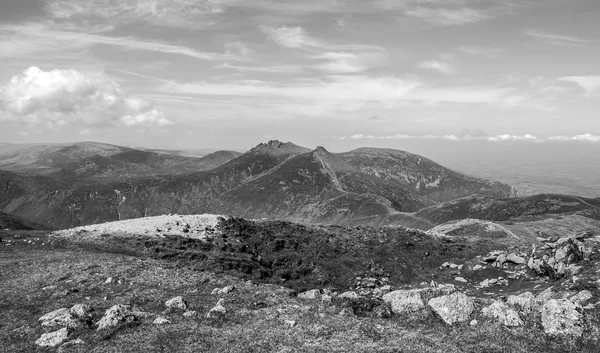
515	259
582	297
348	295
561	317
116	315
176	303
218	310
83	312
460	279
161	320
310	294
473	322
53	339
453	308
60	318
524	302
190	313
503	313
404	301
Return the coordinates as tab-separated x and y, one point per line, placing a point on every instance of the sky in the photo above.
341	73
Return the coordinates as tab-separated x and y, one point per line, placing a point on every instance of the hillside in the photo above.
274	180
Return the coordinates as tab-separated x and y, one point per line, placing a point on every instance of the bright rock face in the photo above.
53	339
116	315
453	308
561	317
503	313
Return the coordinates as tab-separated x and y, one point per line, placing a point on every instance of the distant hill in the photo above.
274	180
12	222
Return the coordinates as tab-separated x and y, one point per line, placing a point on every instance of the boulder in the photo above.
503	313
83	312
190	313
60	317
53	339
582	297
218	310
404	301
310	294
561	317
460	279
348	295
515	259
116	315
453	308
523	302
176	303
161	320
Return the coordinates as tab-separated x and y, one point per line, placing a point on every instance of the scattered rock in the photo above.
161	320
460	279
176	303
310	294
503	313
456	307
348	295
191	313
60	317
561	317
83	312
346	312
218	310
473	322
109	280
477	267
582	297
404	301
523	302
223	290
53	339
515	259
116	315
290	323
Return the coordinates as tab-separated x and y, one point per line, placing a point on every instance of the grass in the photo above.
255	318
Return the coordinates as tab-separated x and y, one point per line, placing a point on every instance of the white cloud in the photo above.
481	137
56	97
576	138
290	37
448	17
553	38
481	51
589	83
30	36
439	66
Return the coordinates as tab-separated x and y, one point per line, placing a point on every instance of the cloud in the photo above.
447	17
29	36
480	136
480	51
166	13
290	37
56	97
552	38
589	83
439	66
275	69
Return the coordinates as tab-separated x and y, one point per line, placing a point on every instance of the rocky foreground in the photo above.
84	296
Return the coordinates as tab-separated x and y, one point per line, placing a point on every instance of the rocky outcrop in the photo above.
115	316
312	294
524	302
60	318
412	300
217	310
453	308
560	258
562	317
176	303
53	339
503	313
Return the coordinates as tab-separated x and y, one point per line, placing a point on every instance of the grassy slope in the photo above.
254	322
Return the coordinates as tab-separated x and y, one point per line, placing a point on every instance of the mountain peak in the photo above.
278	147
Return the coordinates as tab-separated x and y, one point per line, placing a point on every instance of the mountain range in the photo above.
86	183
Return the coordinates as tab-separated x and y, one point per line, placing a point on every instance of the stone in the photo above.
404	301
561	317
515	259
53	339
453	308
218	310
523	302
60	317
503	313
191	313
582	297
227	289
477	267
161	320
290	323
473	323
109	280
346	312
310	294
348	295
460	279
116	315
176	303
83	312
